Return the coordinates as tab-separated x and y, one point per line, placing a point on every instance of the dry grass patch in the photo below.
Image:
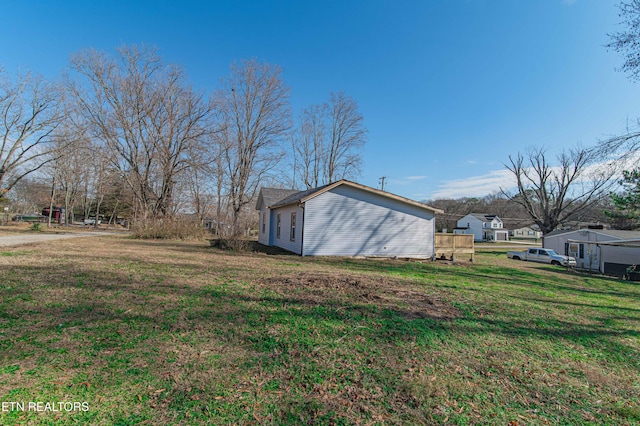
377	291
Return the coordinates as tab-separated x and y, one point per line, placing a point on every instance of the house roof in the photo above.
304	196
271	196
622	235
297	196
528	228
484	217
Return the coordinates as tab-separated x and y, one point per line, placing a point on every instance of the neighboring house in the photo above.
597	250
346	219
527	233
484	227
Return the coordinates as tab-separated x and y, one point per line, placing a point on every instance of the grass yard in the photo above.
181	333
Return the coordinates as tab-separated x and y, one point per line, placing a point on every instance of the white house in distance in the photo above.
484	227
527	233
346	219
597	250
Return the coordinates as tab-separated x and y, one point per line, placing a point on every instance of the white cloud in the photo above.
407	180
492	182
476	186
470	162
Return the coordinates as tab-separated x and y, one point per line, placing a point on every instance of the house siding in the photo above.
475	226
590	259
617	259
483	230
347	221
285	228
263	237
604	259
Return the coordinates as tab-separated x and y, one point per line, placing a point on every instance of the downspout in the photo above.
301	205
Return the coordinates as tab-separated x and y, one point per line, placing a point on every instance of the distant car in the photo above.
91	221
542	255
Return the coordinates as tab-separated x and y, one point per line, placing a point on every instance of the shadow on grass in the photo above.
553	280
214	245
244	310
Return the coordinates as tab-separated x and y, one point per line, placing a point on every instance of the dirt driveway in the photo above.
21	239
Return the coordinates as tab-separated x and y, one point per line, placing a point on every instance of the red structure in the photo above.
58	215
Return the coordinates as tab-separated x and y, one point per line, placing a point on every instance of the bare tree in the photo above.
554	194
347	137
200	180
253	107
72	166
329	140
30	110
29	195
627	43
309	146
146	116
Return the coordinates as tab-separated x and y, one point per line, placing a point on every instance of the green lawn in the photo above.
181	333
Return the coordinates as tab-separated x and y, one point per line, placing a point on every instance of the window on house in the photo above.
264	223
293	227
278	222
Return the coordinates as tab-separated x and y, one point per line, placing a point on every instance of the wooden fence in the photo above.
452	246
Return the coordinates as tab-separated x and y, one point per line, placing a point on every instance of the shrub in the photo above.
231	244
169	229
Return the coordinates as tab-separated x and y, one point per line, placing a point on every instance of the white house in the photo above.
346	219
597	250
484	227
527	233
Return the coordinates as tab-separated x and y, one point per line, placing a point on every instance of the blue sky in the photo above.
448	88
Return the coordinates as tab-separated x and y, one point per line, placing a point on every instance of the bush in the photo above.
231	244
36	226
168	229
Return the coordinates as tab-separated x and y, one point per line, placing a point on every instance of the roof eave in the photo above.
373	191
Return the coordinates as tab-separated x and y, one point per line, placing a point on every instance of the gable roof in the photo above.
297	196
304	196
270	196
485	217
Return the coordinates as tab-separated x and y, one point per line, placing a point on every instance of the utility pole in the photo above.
381	180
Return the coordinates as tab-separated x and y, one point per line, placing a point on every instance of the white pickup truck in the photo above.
542	255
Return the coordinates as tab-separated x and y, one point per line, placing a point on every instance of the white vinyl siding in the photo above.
263	237
588	256
284	241
475	226
347	221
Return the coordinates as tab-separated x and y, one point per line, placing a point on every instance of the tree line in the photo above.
128	135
